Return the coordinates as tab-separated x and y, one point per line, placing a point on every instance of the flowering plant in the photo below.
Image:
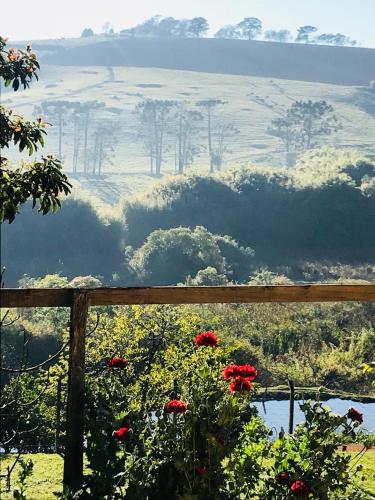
206	339
178	422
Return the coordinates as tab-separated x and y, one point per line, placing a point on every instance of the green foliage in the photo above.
73	242
271	211
24	473
40	181
168	257
17	67
218	448
303	123
317	166
310	455
207	277
166	456
45	480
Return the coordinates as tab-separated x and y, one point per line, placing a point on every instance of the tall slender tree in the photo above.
209	106
186	129
154	117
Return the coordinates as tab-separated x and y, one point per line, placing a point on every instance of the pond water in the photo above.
276	413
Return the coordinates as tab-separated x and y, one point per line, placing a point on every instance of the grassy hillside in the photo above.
314	63
110	71
251	104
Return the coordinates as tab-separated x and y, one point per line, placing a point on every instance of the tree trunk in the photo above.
85	156
210	139
100	157
180	153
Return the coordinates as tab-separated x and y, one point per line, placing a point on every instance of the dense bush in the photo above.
282	220
169	256
73	242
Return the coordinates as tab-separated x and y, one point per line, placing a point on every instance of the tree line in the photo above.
182	130
166	124
250	28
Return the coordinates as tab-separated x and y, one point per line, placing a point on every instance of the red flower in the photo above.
206	339
175	406
240	385
247	371
300	489
243	371
283	477
201	470
355	415
121	433
230	371
117	363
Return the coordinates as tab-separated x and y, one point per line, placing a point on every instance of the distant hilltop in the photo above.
291	61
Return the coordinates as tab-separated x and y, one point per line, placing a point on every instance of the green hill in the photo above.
312	63
99	69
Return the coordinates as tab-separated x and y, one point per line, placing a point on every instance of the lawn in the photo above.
47	475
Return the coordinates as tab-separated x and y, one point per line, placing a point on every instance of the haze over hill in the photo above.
255	82
304	62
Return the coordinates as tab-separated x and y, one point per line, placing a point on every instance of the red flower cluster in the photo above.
206	339
241	376
283	477
121	433
300	489
117	363
175	406
240	385
355	415
243	371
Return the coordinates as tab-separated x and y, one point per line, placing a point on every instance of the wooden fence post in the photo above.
291	406
73	458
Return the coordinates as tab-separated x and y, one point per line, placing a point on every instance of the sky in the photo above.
41	19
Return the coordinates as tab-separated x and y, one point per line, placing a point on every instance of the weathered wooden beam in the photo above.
188	295
36	297
231	294
73	459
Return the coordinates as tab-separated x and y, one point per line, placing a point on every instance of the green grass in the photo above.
45	480
251	104
368	462
47	475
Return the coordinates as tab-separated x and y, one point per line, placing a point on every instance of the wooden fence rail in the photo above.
79	301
